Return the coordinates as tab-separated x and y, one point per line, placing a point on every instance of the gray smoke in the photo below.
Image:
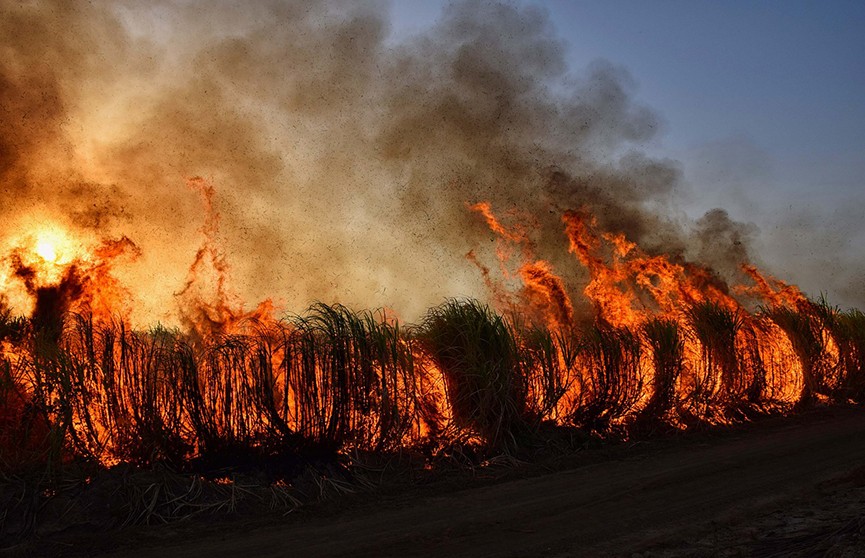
342	160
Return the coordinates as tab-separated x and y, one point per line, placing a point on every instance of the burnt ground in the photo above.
781	487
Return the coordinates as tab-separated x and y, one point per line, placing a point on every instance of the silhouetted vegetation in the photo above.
333	380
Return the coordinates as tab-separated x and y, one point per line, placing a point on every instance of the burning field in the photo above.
176	184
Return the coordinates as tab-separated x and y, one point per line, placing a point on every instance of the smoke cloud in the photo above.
342	160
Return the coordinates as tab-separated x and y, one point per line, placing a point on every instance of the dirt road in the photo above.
640	501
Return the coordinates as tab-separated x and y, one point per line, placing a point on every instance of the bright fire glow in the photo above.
46	250
48	255
49	249
55	245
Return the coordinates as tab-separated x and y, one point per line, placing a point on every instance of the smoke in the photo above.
829	241
342	160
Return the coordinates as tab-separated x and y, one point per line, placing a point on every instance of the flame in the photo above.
49	269
208	304
47	250
772	290
628	287
543	293
250	369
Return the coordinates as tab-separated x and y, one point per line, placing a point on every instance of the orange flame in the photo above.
220	310
544	293
51	269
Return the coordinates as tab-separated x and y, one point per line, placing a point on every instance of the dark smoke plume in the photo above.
342	159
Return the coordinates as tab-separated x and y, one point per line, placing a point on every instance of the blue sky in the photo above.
788	76
763	104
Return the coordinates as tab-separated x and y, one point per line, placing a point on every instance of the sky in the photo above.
763	104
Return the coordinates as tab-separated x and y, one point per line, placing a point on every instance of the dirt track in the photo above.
645	501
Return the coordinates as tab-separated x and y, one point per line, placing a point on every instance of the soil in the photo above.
781	487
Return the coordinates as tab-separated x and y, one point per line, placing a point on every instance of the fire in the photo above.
727	353
772	290
49	270
543	294
208	304
627	285
669	340
54	244
595	319
47	250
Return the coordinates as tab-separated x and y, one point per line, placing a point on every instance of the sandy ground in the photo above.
789	488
